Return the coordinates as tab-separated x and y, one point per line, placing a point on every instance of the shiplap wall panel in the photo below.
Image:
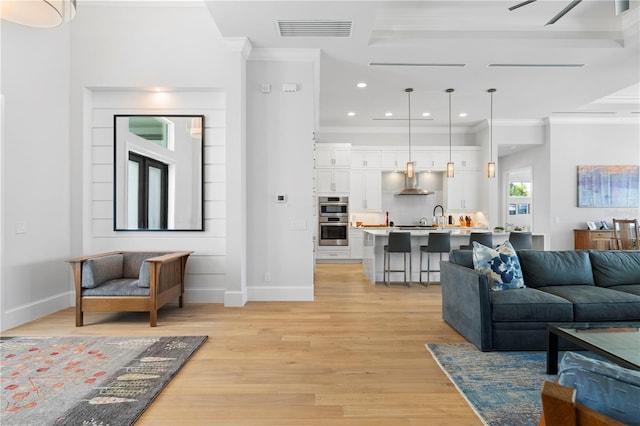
206	267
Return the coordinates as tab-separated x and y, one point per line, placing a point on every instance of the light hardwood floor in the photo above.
354	356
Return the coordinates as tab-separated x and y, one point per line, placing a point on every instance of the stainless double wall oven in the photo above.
333	221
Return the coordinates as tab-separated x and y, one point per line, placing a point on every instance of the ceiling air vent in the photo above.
323	28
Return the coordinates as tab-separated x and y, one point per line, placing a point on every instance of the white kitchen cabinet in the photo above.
394	160
335	253
466	159
437	160
461	191
421	158
366	191
332	181
334	155
365	159
356	240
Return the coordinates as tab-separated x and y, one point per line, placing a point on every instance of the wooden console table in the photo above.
586	239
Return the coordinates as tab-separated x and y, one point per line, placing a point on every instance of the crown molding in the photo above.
274	54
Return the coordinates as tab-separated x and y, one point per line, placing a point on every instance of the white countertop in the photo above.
383	232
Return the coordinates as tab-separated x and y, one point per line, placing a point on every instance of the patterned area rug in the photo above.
84	380
503	388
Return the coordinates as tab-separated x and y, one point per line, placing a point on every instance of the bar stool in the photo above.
438	242
484	238
399	242
521	240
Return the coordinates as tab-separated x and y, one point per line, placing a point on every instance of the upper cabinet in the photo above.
333	181
466	158
365	160
461	191
366	191
394	160
333	155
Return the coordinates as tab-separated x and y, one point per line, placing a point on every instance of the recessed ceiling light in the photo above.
388	114
362	84
351	114
462	114
426	114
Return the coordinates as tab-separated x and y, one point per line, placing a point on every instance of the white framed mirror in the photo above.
158	172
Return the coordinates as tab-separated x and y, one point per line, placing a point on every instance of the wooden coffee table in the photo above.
618	342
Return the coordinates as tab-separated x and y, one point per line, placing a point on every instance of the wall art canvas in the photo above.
608	186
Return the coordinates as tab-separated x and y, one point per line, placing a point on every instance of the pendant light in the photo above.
491	166
38	13
410	164
450	168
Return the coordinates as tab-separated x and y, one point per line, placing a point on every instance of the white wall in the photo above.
114	61
279	162
35	168
586	142
137	59
569	143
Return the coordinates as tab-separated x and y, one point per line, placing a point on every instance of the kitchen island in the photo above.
376	238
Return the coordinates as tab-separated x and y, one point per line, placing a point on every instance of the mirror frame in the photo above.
124	145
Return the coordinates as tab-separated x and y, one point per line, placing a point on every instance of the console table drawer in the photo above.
585	239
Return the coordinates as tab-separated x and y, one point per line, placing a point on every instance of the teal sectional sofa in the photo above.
561	286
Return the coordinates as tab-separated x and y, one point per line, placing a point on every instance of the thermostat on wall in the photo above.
282	198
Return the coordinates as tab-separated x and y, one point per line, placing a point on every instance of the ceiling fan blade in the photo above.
524	3
621	6
563	12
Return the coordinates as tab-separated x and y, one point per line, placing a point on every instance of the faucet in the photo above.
422	221
441	209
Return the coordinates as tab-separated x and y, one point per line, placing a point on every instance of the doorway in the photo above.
518	208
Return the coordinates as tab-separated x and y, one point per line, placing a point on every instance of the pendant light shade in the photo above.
491	165
450	167
38	13
410	164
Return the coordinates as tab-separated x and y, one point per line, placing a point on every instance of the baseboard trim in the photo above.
280	294
23	314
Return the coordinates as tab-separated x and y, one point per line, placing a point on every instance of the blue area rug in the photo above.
503	388
84	380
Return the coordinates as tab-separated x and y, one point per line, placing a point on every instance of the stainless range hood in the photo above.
411	186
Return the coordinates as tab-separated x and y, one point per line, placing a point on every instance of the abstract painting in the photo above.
608	186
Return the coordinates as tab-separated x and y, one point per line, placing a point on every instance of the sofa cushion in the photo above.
501	265
117	287
591	303
602	386
462	257
528	304
97	270
555	268
611	268
628	288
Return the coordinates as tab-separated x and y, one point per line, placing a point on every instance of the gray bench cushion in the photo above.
100	269
526	304
136	267
117	287
591	303
555	268
612	268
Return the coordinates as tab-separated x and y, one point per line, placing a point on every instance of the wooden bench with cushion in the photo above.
128	281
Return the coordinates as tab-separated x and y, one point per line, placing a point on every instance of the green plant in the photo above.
518	190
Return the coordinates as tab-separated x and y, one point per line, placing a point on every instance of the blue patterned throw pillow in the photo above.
501	266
